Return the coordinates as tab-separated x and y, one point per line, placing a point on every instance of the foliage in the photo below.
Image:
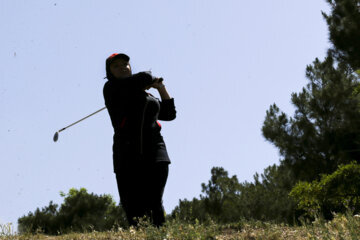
267	199
44	220
324	131
346	227
221	196
335	192
218	202
80	212
225	200
190	211
344	25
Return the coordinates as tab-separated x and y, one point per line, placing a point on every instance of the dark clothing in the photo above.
134	114
139	151
141	192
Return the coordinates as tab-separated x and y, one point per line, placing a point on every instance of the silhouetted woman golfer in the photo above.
139	152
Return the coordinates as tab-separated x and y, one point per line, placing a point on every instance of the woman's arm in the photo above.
159	85
167	106
163	93
141	80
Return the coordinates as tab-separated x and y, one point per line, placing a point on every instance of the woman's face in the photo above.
120	68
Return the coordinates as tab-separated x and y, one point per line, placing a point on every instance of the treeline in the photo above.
225	200
319	147
80	212
273	197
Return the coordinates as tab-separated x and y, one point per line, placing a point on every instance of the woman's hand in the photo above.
158	83
161	88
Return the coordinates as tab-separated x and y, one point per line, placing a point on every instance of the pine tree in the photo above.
324	131
344	28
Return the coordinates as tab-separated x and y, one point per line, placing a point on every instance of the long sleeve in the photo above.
115	103
167	110
137	81
118	92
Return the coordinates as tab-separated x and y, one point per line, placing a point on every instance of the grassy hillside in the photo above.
341	227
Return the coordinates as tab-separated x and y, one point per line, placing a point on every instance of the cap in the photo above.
114	56
110	59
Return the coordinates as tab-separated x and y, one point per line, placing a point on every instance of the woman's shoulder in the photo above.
111	86
107	86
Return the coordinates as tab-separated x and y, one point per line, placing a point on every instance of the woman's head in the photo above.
118	66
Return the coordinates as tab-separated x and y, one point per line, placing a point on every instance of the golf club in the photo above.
56	135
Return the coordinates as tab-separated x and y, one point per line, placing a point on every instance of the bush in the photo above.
80	212
336	192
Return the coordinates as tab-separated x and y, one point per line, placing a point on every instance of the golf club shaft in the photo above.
82	119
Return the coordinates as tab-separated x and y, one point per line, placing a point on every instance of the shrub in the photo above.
335	192
80	212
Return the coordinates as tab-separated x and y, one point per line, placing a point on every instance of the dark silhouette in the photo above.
139	152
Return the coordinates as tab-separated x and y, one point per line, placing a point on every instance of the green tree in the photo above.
190	211
336	192
221	195
344	28
80	212
266	198
44	220
324	131
219	201
225	200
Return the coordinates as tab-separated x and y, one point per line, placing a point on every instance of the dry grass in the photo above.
342	227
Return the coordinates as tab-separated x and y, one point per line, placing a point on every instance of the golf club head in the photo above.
56	136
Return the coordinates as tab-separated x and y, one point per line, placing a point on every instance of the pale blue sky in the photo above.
224	62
